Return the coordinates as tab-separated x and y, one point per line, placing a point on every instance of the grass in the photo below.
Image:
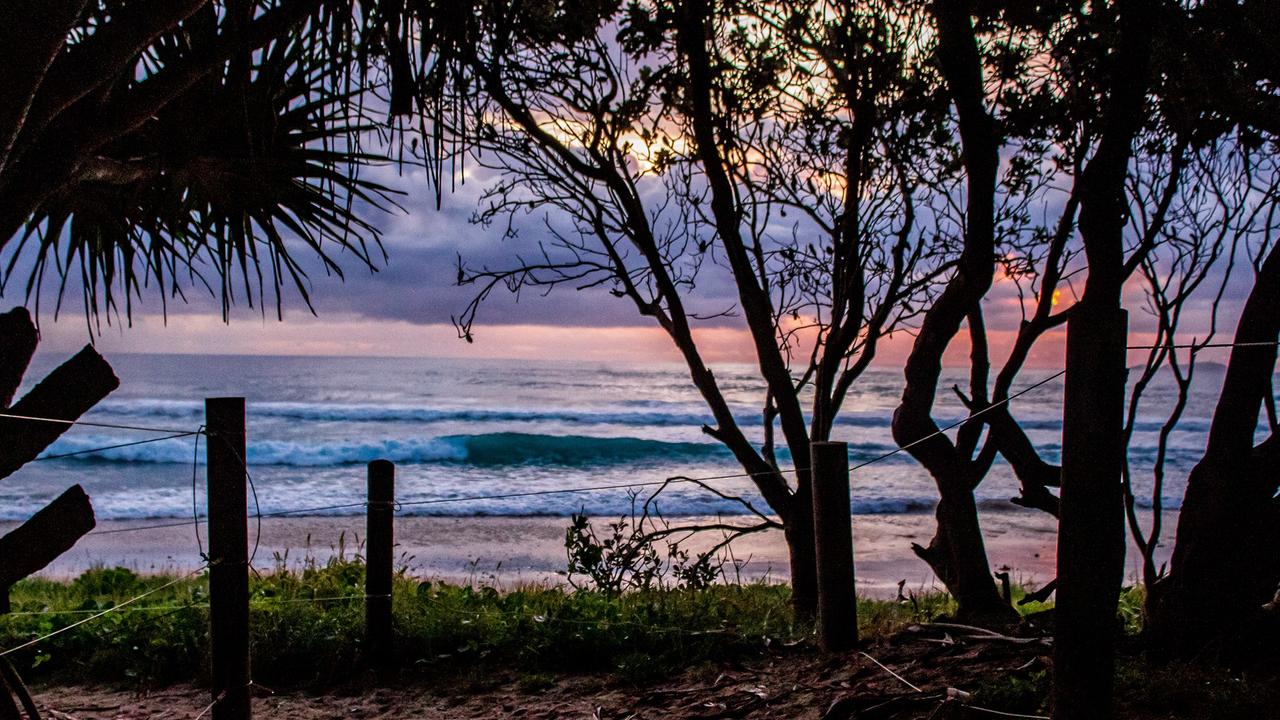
307	630
307	627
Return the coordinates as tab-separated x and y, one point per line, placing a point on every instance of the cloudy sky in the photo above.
404	309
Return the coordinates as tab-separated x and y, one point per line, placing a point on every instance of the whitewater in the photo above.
460	429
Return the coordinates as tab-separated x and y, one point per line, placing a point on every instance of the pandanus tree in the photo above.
165	146
159	146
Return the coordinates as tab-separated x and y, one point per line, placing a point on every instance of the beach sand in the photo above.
509	551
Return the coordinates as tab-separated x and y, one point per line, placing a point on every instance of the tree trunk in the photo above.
802	557
1225	564
957	553
958	556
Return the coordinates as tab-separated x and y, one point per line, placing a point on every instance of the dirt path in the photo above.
784	683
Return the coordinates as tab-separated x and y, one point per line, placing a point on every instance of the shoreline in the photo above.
507	551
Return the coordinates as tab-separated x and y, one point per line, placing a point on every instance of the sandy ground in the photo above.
509	551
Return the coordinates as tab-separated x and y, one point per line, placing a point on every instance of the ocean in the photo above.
463	428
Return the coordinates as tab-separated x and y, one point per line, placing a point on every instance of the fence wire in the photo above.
129	605
103	613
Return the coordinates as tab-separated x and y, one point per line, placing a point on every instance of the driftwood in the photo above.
65	394
46	535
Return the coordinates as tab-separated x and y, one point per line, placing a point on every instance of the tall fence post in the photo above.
379	541
228	558
1091	523
833	546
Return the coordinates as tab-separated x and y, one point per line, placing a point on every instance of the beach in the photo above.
493	457
507	552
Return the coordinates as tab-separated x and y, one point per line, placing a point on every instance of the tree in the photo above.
1222	569
674	153
1214	216
1223	566
169	144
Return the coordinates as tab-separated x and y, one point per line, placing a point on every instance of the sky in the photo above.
404	309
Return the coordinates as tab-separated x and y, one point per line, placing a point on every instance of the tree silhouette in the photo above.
666	176
161	146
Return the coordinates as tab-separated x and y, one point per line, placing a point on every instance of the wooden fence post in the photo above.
228	558
379	541
833	546
1091	523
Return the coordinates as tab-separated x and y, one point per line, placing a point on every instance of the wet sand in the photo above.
510	551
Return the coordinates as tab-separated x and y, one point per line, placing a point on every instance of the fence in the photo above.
230	557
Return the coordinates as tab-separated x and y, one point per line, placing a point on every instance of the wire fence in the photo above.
131	604
197	519
102	613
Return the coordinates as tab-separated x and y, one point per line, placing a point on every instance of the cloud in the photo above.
404	305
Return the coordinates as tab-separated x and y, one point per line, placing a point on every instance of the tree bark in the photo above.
1091	528
802	556
957	553
693	36
958	556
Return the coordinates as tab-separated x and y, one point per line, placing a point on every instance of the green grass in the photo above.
307	629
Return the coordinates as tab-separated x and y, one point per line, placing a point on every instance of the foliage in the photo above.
627	557
197	145
224	189
307	626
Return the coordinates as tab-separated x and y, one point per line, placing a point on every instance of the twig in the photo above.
886	669
978	634
1040	595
